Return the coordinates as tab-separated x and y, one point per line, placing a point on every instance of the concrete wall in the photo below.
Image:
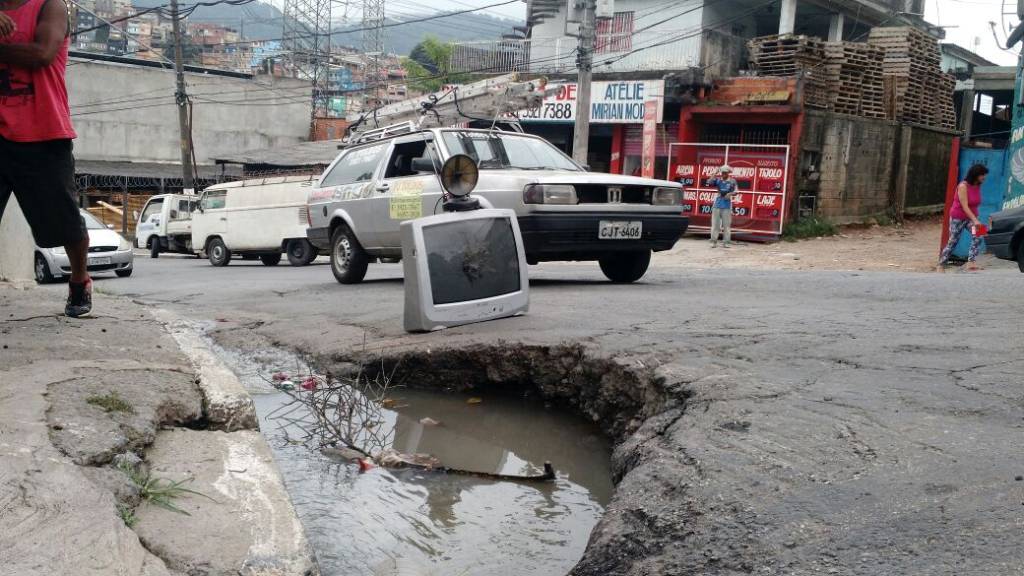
848	163
127	113
16	245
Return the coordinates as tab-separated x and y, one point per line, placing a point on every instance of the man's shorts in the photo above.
42	177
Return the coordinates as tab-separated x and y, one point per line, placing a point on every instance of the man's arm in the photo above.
50	33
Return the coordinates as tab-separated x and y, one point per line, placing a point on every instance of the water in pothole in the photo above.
411	522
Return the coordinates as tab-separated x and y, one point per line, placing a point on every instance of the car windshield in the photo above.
91	222
496	150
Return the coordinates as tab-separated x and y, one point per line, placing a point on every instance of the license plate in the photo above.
99	261
615	230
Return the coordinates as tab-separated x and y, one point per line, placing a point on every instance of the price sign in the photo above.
758	207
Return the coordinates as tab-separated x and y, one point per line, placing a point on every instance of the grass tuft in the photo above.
160	492
809	228
111	403
127	514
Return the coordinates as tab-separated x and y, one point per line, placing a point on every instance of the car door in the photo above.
402	192
212	218
350	185
149	222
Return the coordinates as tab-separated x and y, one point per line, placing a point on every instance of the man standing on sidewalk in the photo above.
721	212
35	134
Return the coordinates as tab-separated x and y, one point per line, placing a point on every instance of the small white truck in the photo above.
260	218
165	224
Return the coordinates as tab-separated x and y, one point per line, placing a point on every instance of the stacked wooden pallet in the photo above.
921	92
855	81
791	55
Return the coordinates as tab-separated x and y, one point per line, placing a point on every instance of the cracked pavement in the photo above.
856	423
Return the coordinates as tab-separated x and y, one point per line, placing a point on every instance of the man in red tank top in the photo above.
36	162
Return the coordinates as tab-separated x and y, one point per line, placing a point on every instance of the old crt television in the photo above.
463	267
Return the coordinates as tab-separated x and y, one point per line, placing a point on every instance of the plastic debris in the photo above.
279	377
429	422
309	383
364	465
286	385
387	402
474	400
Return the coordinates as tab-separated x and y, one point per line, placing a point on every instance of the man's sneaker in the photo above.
79	299
714	244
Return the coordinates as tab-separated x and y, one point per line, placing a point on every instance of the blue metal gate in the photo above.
992	191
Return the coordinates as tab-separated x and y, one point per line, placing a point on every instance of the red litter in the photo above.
364	465
309	383
279	377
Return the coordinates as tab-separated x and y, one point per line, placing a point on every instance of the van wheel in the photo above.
271	259
625	267
348	260
42	270
300	252
154	247
1020	256
218	253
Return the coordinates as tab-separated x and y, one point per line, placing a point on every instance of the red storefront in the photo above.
754	125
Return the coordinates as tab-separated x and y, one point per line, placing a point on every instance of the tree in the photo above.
429	65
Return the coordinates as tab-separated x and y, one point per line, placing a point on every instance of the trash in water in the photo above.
429	422
309	383
387	402
474	400
365	465
286	385
279	377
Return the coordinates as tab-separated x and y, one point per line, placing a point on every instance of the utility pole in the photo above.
584	65
181	100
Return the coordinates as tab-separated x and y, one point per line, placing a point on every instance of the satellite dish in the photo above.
459	175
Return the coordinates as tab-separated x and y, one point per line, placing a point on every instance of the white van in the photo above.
255	219
165	224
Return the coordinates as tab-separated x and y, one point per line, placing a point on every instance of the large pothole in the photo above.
536	404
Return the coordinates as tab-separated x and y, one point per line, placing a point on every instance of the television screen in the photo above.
471	259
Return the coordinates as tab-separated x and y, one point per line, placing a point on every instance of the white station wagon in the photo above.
564	211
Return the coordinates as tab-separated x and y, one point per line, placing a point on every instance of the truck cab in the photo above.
165	224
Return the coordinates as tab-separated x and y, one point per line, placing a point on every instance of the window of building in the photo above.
614	34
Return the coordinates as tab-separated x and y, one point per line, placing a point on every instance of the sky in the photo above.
967	23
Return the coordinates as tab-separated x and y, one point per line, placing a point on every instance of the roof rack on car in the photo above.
495	100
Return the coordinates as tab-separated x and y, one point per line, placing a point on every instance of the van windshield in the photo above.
498	150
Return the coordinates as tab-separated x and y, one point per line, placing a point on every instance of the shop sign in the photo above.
650	138
610	102
760	173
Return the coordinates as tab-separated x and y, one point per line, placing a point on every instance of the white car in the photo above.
107	251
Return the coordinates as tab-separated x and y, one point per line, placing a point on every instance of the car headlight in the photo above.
550	194
59	250
124	245
667	197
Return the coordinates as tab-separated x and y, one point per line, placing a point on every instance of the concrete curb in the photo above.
249	526
226	404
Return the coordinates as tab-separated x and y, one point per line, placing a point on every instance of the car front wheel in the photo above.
42	269
625	267
218	252
348	260
1020	256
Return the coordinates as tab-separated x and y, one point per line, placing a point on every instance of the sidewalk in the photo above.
912	247
84	401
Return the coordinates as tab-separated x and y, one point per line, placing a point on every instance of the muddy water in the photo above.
391	522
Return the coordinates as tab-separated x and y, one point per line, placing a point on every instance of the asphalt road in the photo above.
825	422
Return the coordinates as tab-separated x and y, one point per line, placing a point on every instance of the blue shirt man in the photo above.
721	212
726	187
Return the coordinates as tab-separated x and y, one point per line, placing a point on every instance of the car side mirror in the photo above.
424	164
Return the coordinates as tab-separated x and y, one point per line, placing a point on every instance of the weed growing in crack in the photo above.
111	402
160	492
127	514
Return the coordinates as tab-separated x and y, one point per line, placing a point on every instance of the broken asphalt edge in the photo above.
243	471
